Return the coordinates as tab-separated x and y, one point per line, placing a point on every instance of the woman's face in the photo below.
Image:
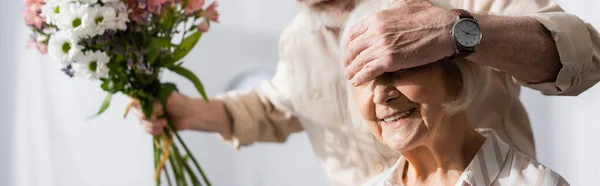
403	108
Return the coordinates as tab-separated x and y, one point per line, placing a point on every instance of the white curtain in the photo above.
45	139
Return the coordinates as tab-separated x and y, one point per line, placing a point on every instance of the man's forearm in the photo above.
215	117
519	46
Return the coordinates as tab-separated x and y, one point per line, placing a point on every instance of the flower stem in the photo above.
180	164
176	171
156	157
193	159
193	176
167	175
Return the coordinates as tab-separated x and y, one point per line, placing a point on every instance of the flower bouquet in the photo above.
125	45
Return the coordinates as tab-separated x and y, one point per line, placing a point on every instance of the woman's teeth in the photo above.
399	116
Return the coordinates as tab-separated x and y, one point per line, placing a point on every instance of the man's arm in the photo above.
545	49
538	44
519	46
254	118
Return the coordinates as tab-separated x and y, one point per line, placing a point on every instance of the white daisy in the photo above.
89	2
63	47
41	38
110	1
104	18
92	65
122	17
73	18
51	10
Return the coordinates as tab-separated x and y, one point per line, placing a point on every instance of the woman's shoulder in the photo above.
378	180
385	178
526	170
506	165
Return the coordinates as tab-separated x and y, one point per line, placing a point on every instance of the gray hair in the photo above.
474	78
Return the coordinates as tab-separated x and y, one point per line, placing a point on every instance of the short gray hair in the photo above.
473	78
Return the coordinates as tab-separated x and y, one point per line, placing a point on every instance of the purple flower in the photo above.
69	71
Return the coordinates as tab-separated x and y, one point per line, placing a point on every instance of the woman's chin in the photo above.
398	142
404	138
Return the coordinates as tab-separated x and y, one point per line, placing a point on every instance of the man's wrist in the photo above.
447	40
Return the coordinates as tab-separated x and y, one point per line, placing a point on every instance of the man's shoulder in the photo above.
301	26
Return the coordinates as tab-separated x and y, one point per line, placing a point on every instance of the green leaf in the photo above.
104	106
187	45
165	91
168	19
147	108
192	77
161	42
153	54
104	85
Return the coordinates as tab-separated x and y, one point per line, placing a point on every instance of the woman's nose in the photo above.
384	94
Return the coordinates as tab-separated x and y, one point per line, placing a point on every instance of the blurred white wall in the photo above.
111	151
566	128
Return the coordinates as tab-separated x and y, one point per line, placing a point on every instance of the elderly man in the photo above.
538	46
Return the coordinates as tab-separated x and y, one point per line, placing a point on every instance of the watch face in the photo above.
467	33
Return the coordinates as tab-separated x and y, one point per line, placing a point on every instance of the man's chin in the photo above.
329	19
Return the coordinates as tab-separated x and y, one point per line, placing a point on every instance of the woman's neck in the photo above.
445	156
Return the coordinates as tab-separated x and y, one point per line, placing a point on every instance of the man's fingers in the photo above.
359	62
155	126
140	115
356	30
369	72
154	130
355	47
158	109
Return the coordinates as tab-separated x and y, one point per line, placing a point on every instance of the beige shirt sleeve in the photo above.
255	118
578	46
578	43
266	113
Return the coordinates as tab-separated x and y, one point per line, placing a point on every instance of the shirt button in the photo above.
378	167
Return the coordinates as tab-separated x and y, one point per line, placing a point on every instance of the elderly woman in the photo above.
420	113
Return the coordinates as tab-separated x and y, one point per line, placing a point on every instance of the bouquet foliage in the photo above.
125	45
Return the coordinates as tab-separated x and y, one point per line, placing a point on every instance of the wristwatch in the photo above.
466	33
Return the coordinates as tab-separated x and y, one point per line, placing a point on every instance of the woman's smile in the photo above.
398	118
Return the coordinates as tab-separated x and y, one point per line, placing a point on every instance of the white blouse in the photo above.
496	163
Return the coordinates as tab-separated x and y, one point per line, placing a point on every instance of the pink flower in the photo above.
203	27
155	6
43	48
211	12
32	13
194	6
30	2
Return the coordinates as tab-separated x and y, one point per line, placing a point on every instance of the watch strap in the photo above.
462	14
460	50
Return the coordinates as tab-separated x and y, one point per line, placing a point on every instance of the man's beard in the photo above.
333	19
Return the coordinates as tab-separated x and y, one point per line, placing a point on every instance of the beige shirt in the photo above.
496	163
307	92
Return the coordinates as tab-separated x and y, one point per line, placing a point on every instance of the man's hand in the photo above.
411	33
187	114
